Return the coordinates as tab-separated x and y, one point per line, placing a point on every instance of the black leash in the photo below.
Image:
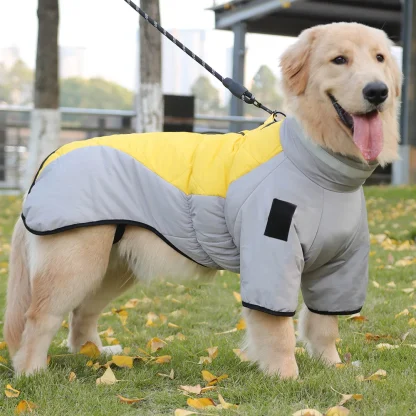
238	90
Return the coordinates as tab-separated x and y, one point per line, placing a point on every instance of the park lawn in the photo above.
204	309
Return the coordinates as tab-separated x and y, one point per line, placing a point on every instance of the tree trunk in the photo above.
149	103
45	118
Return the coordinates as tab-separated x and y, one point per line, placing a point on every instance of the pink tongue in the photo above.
368	135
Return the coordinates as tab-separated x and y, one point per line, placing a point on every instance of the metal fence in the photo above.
81	124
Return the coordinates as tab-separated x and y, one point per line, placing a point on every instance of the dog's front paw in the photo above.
284	368
112	350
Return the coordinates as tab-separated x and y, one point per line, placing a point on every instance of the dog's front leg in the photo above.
271	343
319	333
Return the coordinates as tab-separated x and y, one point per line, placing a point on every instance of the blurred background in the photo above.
91	67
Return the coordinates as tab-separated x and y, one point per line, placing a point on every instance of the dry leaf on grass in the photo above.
241	355
200	403
205	360
183	412
109	332
213	352
172	325
211	379
391	284
90	350
122	315
163	359
155	344
122	361
373	337
386	346
307	412
377	376
241	324
224	404
131	304
337	411
404	312
348	397
237	297
24	406
408	290
171	375
192	389
3	345
107	378
3	360
72	377
412	322
129	401
357	317
10	392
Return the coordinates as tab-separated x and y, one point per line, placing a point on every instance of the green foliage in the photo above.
207	97
16	84
95	93
265	88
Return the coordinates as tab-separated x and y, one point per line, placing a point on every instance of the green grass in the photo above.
211	309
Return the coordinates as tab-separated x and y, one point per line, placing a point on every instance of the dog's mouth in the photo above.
366	130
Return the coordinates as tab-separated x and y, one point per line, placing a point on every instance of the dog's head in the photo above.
343	84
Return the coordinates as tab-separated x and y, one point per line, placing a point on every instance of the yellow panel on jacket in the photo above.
198	164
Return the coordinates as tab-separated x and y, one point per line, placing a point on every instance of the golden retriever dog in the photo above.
342	85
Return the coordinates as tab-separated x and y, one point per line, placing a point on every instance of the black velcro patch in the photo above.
280	219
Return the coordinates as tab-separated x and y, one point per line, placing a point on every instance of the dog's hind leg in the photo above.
270	341
18	289
64	268
84	318
319	333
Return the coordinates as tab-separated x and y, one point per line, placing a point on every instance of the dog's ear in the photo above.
295	62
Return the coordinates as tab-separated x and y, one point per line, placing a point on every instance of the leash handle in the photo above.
238	90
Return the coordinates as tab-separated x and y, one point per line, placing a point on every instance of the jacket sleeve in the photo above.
271	256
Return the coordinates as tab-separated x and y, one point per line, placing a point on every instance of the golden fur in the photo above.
80	271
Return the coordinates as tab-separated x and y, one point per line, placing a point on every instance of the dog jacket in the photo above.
266	203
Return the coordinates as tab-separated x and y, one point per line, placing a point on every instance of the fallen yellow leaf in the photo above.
200	403
357	317
171	375
107	378
211	379
378	375
3	360
90	350
227	332
128	401
180	336
237	297
109	332
241	355
337	411
213	352
391	284
183	412
155	344
241	324
225	405
300	350
386	347
307	412
24	406
347	397
171	325
404	312
192	389
3	345
205	360
122	314
163	359
72	376
11	392
122	361
408	290
112	341
131	304
412	322
376	284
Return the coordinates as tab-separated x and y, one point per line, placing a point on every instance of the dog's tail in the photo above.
18	290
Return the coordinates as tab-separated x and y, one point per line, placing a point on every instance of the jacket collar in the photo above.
327	169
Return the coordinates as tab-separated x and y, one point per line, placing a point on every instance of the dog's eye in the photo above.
340	60
380	57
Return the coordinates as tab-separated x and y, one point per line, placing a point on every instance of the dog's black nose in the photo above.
376	92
